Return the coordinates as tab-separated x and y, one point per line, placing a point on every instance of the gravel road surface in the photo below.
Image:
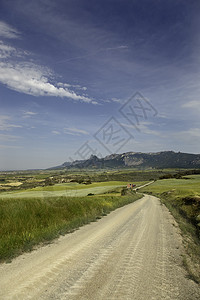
133	253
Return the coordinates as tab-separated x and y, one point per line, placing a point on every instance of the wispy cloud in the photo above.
90	54
5	124
30	113
192	132
8	137
144	128
6	50
188	139
75	131
55	132
8	31
34	80
118	47
10	52
194	104
30	78
67	85
116	100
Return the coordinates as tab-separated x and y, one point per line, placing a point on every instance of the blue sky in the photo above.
70	71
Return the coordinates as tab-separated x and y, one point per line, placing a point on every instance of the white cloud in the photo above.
30	78
28	114
118	47
8	31
185	141
55	132
6	50
63	85
193	132
143	127
194	104
189	138
116	100
33	79
67	85
95	103
6	125
8	137
75	131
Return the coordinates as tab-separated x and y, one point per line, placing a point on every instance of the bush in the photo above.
124	192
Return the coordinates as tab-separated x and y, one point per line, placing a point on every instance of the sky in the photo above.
83	77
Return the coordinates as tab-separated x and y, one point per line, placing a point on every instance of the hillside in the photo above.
164	159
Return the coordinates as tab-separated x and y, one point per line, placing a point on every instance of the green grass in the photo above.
182	194
132	175
39	178
182	197
26	222
183	187
71	189
75	185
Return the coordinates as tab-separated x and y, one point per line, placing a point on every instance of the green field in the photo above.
20	180
72	189
38	215
38	206
182	194
59	190
190	185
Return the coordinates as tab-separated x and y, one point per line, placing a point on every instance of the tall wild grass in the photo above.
27	222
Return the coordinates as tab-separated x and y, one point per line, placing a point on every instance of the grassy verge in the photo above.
28	222
181	197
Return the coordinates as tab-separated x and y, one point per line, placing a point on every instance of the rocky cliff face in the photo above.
165	159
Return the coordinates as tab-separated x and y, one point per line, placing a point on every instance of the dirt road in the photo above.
133	253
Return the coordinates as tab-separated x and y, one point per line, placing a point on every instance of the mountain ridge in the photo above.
162	159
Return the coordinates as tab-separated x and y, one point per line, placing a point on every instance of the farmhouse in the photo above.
130	185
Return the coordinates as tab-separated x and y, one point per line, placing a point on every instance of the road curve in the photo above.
133	253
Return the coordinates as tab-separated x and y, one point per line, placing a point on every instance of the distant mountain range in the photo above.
164	159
